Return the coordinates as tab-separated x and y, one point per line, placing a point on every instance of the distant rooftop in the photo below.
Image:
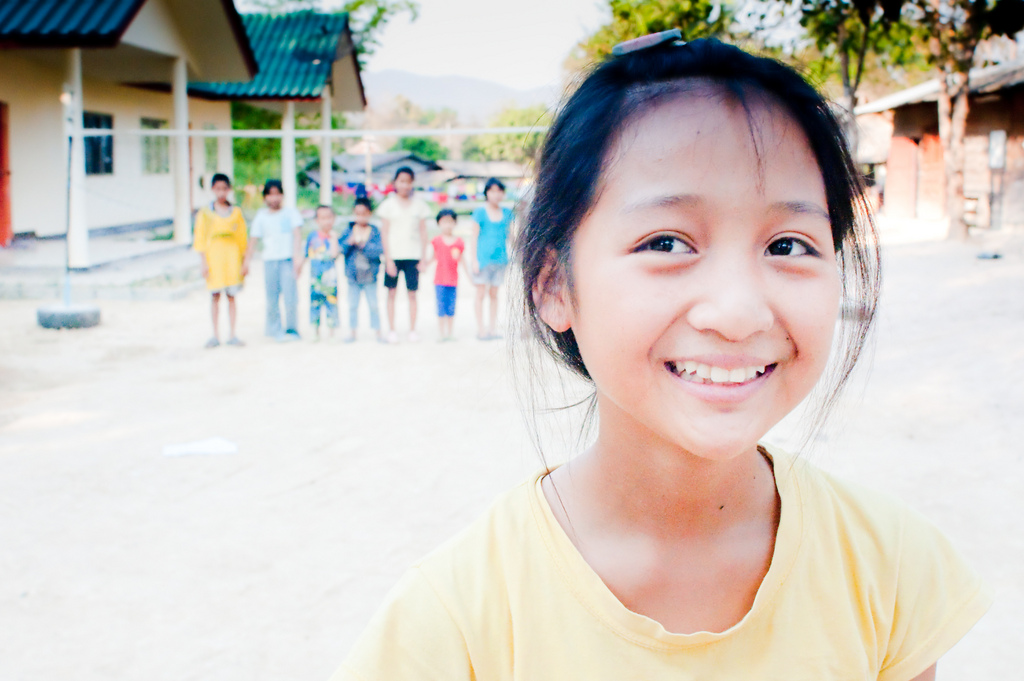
982	81
295	53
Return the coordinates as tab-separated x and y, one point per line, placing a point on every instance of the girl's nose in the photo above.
731	301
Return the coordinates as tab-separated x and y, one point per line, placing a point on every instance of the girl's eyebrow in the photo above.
683	200
799	208
694	200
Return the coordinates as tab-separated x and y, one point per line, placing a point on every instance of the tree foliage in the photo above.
515	147
634	18
424	147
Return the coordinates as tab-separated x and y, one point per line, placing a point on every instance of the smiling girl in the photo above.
697	224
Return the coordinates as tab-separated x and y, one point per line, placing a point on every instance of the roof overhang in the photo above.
148	34
986	80
298	53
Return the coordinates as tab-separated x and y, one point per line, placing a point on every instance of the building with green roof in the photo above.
128	82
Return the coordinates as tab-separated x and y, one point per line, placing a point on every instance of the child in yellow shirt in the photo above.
220	239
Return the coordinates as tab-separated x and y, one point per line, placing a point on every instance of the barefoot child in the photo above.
696	225
278	229
492	224
361	243
447	250
220	239
322	251
404	232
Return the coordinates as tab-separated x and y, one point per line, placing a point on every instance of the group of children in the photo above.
400	243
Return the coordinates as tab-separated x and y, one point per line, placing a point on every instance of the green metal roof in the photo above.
61	23
294	52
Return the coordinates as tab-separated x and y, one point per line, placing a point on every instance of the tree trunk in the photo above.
953	108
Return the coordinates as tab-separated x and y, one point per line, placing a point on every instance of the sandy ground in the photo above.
118	562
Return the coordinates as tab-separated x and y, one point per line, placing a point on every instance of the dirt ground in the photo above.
119	562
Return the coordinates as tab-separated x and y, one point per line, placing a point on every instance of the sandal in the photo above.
212	343
235	341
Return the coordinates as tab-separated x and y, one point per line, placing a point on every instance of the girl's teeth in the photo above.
717	374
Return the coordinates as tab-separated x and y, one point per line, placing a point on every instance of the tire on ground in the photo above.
68	317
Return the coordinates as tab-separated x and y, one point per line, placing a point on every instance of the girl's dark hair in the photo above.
220	177
272	184
447	212
623	88
493	182
404	169
364	201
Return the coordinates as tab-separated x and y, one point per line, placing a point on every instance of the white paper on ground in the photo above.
211	445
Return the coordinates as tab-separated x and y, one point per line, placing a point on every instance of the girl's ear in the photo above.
551	294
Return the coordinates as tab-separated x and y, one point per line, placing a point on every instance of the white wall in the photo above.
38	161
37	156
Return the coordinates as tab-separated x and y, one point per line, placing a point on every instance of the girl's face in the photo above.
361	214
706	287
324	219
403	185
221	191
447	225
274	198
495	195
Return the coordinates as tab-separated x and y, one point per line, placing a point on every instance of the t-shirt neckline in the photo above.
598	599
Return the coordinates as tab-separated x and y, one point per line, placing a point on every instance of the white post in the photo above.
288	154
182	172
326	175
78	227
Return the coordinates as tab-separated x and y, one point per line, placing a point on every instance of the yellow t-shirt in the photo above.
223	240
860	587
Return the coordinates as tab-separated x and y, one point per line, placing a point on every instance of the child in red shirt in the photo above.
447	250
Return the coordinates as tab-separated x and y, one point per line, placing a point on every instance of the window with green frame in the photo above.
156	154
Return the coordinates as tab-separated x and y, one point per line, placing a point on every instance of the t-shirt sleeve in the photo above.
938	599
411	638
256	232
296	218
384	209
423	211
479	215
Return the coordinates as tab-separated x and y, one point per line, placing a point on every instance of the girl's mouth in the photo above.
706	374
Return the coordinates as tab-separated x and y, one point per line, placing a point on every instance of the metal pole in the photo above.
182	176
288	154
326	175
78	226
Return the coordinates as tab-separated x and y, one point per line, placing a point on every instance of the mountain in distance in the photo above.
474	99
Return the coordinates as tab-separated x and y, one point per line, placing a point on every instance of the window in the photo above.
99	151
156	157
210	148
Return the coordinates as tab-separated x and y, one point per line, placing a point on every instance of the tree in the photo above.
424	147
955	29
847	34
515	147
634	18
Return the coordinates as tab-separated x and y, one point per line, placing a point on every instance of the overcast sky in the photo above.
518	43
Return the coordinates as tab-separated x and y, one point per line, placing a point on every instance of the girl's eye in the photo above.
789	246
665	243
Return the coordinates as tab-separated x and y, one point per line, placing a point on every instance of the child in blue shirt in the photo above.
362	245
